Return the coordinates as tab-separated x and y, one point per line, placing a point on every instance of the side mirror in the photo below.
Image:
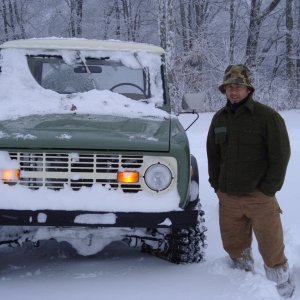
192	102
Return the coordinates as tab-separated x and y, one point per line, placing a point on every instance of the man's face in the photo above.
236	92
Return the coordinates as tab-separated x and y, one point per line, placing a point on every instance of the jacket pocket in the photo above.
220	135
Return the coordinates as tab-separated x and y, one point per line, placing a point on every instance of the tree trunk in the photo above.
79	17
126	18
297	38
190	25
184	32
256	18
201	11
253	34
170	30
289	39
131	19
72	17
231	32
19	19
76	7
12	20
162	23
5	22
118	19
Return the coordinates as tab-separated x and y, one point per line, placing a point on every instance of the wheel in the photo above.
185	245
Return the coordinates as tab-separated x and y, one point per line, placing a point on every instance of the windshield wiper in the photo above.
90	74
146	79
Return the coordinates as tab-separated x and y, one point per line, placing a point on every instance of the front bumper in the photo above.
60	218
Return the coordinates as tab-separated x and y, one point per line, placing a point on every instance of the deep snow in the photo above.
54	271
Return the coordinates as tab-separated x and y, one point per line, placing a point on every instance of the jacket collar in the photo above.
247	105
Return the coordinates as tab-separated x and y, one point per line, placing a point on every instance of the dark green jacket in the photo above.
247	150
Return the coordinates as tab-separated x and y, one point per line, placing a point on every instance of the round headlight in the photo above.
158	177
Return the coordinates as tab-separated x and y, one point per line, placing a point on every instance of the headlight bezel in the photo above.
158	177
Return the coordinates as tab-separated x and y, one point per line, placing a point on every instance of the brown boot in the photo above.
244	262
284	282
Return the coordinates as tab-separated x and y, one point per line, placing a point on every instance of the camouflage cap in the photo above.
237	74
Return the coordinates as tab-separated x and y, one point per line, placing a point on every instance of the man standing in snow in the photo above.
248	151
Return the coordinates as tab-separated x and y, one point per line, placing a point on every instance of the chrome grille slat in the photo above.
54	170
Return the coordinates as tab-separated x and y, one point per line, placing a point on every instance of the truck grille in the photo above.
55	170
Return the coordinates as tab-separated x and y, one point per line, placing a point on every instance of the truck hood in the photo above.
91	132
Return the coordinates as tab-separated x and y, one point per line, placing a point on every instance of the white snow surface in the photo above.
54	271
96	219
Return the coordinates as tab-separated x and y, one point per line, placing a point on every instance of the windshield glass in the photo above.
52	72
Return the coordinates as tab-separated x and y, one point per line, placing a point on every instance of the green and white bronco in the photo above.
90	152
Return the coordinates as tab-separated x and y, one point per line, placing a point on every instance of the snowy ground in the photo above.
54	271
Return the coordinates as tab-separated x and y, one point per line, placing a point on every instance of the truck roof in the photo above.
81	44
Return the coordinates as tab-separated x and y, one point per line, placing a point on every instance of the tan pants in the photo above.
239	215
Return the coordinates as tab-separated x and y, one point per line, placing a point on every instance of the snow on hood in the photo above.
26	97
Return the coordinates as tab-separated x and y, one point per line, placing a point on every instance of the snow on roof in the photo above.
81	44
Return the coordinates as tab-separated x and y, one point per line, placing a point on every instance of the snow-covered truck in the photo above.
90	151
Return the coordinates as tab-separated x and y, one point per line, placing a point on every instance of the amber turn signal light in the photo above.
10	175
128	177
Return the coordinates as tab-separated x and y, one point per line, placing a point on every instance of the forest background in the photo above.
201	38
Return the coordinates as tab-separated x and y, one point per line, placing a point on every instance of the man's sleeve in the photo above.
213	158
278	155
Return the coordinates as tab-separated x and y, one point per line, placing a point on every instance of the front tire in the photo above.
184	245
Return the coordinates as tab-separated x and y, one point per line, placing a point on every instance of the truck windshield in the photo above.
53	73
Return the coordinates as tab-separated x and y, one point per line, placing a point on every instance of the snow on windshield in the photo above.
21	95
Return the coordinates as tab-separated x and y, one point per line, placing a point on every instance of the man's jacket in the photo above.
247	150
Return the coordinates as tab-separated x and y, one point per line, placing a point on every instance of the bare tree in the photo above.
118	19
289	38
257	16
162	27
184	26
166	23
132	15
5	21
297	45
79	8
290	54
14	24
76	7
201	9
234	7
19	20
